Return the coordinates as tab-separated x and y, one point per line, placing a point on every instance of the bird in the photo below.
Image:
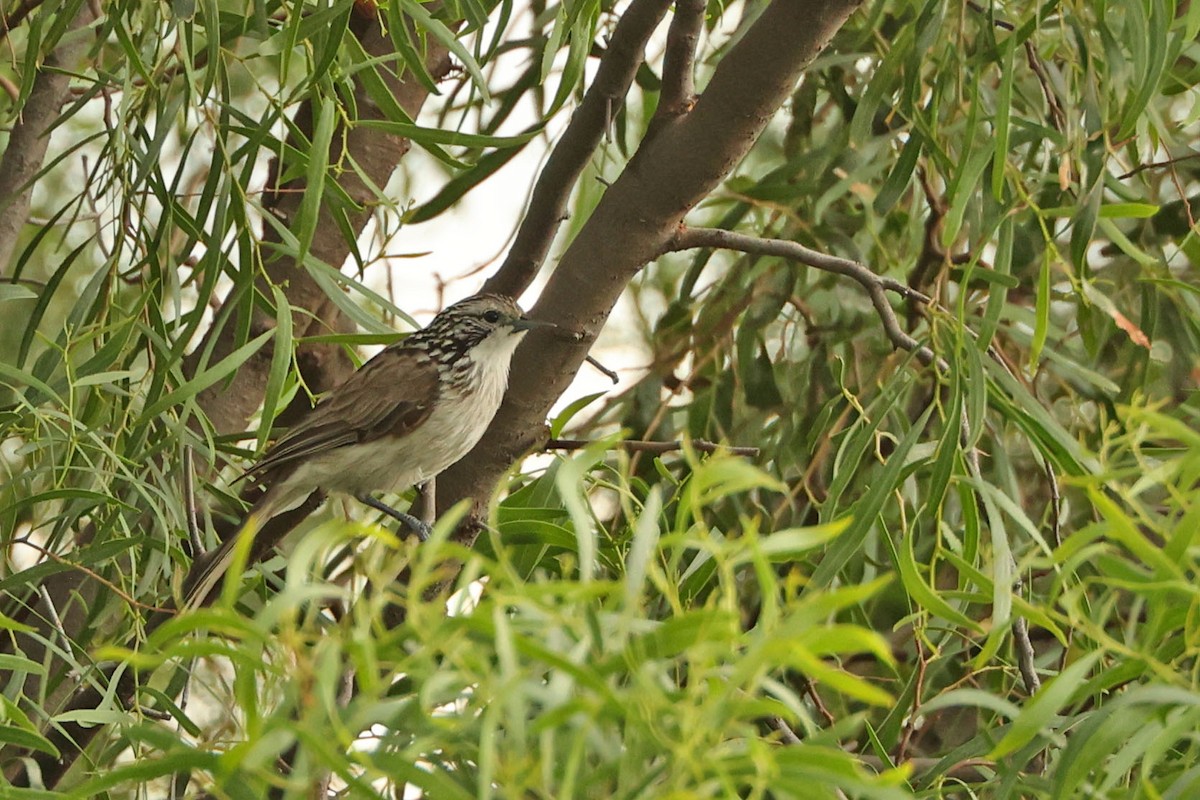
404	416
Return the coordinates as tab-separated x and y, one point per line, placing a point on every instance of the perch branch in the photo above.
548	203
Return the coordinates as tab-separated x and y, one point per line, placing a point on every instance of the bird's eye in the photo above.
492	316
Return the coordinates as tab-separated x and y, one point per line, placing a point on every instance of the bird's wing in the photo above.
392	394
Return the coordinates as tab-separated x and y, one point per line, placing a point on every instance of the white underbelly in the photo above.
396	463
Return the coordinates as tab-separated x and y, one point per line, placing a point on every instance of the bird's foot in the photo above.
421	529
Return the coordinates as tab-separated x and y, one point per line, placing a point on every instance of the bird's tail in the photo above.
209	570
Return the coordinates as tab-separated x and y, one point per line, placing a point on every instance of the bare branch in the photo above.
51	610
1170	162
229	406
548	203
679	78
1035	63
12	19
639	446
875	285
605	371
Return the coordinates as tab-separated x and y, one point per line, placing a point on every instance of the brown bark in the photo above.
30	136
548	203
638	216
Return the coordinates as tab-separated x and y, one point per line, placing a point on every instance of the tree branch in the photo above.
875	285
638	446
678	74
639	216
26	151
548	203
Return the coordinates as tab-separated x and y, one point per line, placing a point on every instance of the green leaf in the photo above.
28	740
427	136
1042	326
1041	709
900	176
281	360
567	414
866	510
326	114
14	291
922	594
1128	210
214	374
790	543
447	37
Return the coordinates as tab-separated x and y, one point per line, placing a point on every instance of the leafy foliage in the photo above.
844	616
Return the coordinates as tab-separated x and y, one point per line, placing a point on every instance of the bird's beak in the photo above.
525	324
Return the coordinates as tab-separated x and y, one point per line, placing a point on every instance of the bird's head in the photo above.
483	328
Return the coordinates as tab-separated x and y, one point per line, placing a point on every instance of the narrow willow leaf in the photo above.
325	111
12	291
424	135
281	360
867	509
641	550
438	29
1039	712
218	372
922	594
1002	119
900	176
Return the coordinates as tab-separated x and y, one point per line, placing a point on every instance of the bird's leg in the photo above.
415	525
427	491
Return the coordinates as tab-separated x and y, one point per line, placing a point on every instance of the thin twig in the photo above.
93	575
876	286
918	692
548	203
1039	70
1025	655
1035	63
679	58
638	446
810	688
1170	162
17	16
786	733
52	613
605	371
1055	505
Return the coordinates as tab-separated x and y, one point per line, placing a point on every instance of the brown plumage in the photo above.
407	414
